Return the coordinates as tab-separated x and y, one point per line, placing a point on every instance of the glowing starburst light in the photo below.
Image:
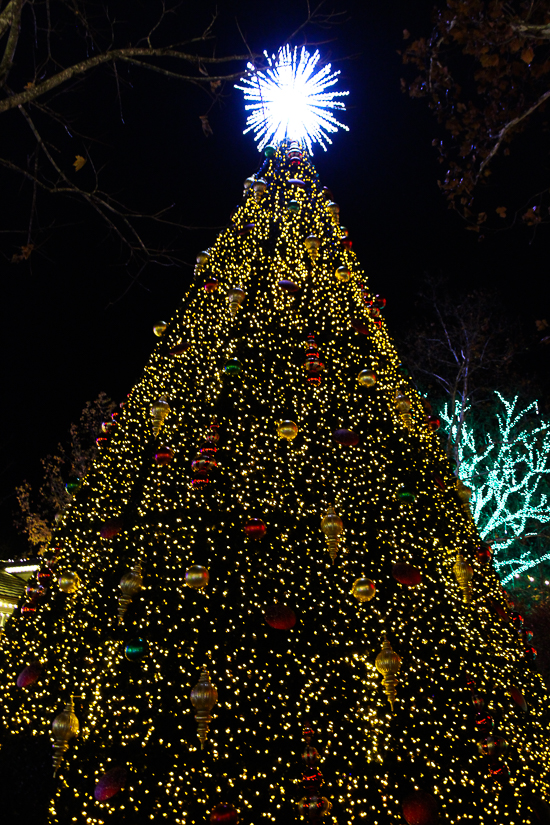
289	99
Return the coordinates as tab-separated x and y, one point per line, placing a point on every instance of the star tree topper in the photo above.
289	99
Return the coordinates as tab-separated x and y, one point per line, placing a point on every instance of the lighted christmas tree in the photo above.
268	594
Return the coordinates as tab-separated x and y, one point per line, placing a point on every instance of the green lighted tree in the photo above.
505	458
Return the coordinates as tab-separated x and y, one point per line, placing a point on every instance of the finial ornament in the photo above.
289	99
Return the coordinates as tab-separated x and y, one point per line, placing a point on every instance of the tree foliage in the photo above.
485	72
40	507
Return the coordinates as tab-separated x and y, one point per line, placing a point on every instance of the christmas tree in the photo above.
268	599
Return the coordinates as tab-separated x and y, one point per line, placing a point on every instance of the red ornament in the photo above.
406	574
164	456
420	808
102	441
499	771
111	528
312	779
483	554
255	528
346	437
289	286
224	814
211	284
30	675
359	326
433	423
280	617
484	723
180	348
346	243
110	784
44	576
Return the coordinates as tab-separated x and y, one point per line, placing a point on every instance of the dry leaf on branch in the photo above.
79	163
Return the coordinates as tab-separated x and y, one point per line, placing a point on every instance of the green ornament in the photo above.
136	650
73	485
402	370
269	151
293	206
233	366
406	497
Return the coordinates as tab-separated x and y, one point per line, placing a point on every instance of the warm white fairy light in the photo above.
289	99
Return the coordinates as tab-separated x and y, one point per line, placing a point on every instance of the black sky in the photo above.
68	333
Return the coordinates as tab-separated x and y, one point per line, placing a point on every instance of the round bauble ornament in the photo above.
44	576
364	590
110	784
280	617
108	427
28	609
159	328
366	378
180	348
74	484
478	701
312	243
314	807
346	437
68	582
269	150
517	619
312	779
211	284
111	528
359	326
301	184
293	206
484	723
224	813
288	286
255	528
287	430
203	258
197	576
518	697
246	229
259	186
136	650
34	594
530	654
102	442
483	554
406	496
343	274
164	455
526	636
310	755
406	574
420	808
248	184
30	675
232	367
334	209
493	746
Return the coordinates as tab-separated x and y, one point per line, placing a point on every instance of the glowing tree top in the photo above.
289	99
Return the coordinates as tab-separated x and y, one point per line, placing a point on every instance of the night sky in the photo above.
73	322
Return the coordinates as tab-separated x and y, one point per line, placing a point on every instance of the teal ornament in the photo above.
136	650
269	151
293	206
73	485
406	496
233	366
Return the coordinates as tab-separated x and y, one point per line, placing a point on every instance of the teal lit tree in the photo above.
266	602
505	459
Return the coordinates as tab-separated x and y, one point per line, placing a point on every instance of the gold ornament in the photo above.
388	664
203	258
334	210
332	525
203	698
287	430
259	187
247	184
367	378
235	297
364	590
159	411
69	582
312	244
464	494
159	328
464	573
130	584
402	402
65	726
197	577
343	274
